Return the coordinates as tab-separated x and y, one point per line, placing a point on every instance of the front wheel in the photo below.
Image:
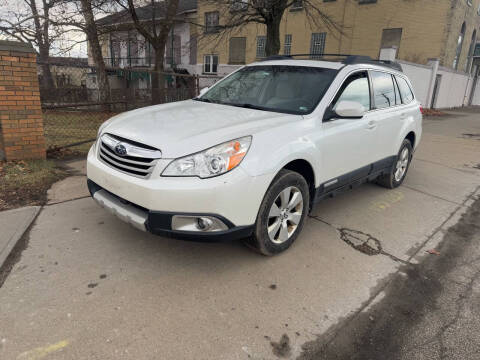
399	169
282	214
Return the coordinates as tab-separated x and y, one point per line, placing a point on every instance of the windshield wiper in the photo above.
201	99
246	106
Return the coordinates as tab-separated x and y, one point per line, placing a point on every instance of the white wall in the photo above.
454	90
476	95
419	76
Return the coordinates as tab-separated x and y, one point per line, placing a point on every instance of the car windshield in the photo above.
287	89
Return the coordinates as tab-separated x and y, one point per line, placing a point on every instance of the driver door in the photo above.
348	145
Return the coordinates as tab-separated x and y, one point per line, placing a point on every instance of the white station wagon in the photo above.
250	156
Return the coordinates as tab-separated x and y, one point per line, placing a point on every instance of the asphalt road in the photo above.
87	286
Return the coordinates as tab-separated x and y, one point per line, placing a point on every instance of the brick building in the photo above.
421	29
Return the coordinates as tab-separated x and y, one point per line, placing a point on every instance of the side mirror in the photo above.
203	91
349	110
345	110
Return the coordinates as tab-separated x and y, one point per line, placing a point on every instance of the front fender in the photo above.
269	154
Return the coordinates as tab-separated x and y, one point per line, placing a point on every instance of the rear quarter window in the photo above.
405	90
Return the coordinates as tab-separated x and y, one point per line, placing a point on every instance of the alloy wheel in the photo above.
402	164
285	214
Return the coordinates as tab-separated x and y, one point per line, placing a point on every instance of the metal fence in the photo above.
74	108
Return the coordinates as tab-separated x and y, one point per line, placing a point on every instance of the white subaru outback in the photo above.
250	156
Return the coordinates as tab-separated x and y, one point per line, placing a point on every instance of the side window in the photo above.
398	98
383	92
405	91
355	88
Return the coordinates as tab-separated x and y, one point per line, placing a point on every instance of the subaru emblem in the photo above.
120	150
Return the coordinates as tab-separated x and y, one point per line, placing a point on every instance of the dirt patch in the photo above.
410	295
282	348
55	152
433	112
25	183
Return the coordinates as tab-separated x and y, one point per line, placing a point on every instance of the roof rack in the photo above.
348	59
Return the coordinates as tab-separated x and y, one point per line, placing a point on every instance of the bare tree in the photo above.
80	15
95	48
31	23
155	30
236	14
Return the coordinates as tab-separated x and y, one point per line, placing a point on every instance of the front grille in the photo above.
138	161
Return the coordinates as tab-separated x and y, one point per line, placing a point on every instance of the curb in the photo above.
8	239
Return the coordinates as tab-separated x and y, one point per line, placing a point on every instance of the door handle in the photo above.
403	115
372	124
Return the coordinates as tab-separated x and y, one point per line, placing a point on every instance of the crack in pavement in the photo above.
443	165
431	195
65	201
361	241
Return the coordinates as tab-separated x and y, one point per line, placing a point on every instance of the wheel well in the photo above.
304	168
411	137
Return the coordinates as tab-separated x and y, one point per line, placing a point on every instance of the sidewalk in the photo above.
14	223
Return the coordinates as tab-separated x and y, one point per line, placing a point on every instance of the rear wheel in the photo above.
282	214
399	169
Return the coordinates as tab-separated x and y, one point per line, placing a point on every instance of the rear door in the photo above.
390	114
348	145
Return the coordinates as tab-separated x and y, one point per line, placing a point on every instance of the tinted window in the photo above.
383	92
405	91
355	88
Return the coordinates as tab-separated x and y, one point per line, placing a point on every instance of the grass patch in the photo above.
63	128
26	182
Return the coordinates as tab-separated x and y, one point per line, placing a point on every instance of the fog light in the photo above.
204	223
197	223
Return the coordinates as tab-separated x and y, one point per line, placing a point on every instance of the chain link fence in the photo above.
74	105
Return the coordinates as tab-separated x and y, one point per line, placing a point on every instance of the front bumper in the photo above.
235	196
159	222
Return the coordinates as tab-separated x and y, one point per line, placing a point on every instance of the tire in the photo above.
283	211
394	178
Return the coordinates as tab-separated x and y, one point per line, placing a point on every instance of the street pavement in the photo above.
88	286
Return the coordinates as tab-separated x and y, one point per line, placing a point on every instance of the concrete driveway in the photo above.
88	286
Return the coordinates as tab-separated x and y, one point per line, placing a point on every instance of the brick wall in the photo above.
21	121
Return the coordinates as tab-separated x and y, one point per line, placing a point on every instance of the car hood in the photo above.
185	127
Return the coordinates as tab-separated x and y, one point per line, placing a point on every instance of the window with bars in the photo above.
210	64
261	42
211	21
287	50
317	45
238	5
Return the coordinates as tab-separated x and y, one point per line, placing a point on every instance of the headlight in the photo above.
211	162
